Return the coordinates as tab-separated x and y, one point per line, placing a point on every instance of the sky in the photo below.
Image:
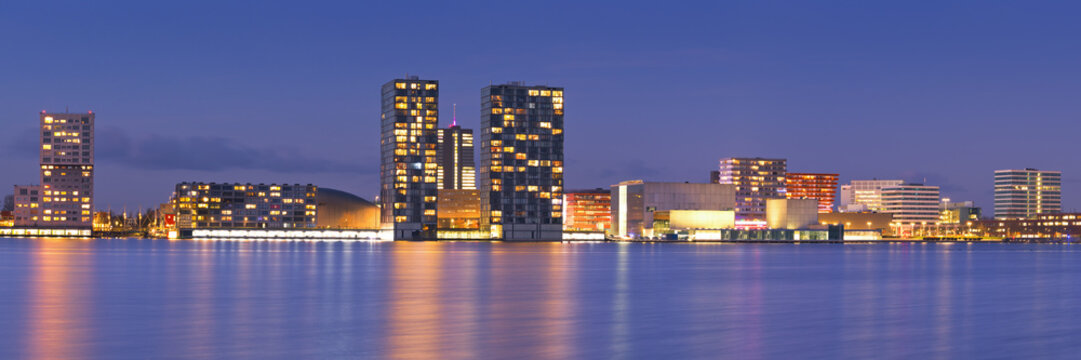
942	92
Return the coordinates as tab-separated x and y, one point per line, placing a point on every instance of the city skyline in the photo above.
165	127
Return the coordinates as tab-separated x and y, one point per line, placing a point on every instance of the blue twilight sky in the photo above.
270	91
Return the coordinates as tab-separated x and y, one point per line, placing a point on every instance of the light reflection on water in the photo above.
69	299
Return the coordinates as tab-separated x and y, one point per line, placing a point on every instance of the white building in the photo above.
864	195
635	202
1026	193
911	204
791	214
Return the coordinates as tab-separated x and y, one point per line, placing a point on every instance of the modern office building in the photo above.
1021	194
409	147
457	169
635	202
67	174
587	210
521	169
864	195
755	180
911	204
245	206
818	186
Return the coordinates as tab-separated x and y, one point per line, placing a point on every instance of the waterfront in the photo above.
112	298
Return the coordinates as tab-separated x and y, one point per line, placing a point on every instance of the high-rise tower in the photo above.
457	168
67	170
521	169
408	168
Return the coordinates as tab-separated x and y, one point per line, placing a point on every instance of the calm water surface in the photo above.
140	299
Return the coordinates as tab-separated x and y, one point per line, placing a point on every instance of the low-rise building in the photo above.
635	202
858	221
791	214
336	209
587	210
958	212
28	211
245	206
1043	226
864	195
458	209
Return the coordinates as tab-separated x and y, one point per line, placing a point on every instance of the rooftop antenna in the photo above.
454	118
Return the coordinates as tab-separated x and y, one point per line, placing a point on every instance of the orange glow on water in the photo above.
58	312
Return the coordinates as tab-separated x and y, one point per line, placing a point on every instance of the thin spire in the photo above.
454	118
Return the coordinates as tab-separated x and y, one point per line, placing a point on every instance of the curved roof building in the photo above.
342	210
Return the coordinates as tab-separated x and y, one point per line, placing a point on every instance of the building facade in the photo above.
521	169
27	211
457	168
408	150
459	209
67	173
1021	194
864	195
963	212
791	214
245	206
818	186
911	204
587	210
755	180
635	202
1042	226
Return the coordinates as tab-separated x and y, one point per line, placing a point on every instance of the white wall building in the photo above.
864	195
1026	193
911	204
635	201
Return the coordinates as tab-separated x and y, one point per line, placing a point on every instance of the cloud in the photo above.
203	153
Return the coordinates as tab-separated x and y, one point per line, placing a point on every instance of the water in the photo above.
139	299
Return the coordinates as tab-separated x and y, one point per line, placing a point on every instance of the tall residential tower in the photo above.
521	162
67	172
408	169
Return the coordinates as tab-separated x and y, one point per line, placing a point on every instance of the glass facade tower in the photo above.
408	169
